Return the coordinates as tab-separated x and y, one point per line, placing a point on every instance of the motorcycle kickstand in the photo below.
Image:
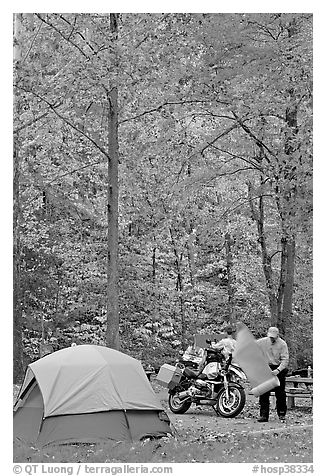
217	413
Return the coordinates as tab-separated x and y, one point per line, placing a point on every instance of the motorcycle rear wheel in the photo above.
178	406
232	406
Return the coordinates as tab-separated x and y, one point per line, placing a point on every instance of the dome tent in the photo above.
87	394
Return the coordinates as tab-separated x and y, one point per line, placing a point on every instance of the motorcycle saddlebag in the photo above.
169	376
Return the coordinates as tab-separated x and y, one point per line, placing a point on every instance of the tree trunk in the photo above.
286	199
154	264
287	295
112	329
229	270
259	217
17	294
191	255
17	291
179	289
287	206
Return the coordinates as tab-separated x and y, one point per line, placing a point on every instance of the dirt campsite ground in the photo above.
271	441
204	417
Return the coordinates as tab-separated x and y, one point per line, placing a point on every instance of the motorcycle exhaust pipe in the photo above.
183	395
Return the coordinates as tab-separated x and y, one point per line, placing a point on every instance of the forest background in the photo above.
162	180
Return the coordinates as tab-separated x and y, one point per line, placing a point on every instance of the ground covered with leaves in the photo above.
199	437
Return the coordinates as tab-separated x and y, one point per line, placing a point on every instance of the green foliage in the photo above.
203	107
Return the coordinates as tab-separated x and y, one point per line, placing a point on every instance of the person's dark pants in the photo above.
279	394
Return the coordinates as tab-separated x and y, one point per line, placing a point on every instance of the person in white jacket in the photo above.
227	344
276	354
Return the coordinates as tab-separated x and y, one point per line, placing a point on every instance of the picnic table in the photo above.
298	387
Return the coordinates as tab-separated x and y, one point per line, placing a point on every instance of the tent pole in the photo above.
125	414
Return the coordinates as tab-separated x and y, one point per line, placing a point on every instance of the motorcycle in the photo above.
219	385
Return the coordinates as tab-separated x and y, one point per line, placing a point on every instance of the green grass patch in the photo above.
274	446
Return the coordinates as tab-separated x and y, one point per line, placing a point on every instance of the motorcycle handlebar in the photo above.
209	341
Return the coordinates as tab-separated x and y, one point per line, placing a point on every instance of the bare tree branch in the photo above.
32	43
148	36
77	32
258	141
264	29
275	253
210	144
47	22
31	122
253	164
70	172
67	121
161	106
205	180
224	133
73	171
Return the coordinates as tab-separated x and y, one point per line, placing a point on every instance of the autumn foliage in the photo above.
212	185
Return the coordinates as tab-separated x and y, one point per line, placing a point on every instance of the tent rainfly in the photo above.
87	394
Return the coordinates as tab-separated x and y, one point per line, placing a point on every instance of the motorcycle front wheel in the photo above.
230	404
178	406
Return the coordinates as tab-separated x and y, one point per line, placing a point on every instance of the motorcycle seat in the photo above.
202	376
190	373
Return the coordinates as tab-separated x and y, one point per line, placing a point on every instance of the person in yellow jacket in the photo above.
276	354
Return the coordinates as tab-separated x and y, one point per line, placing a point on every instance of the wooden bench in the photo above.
294	391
